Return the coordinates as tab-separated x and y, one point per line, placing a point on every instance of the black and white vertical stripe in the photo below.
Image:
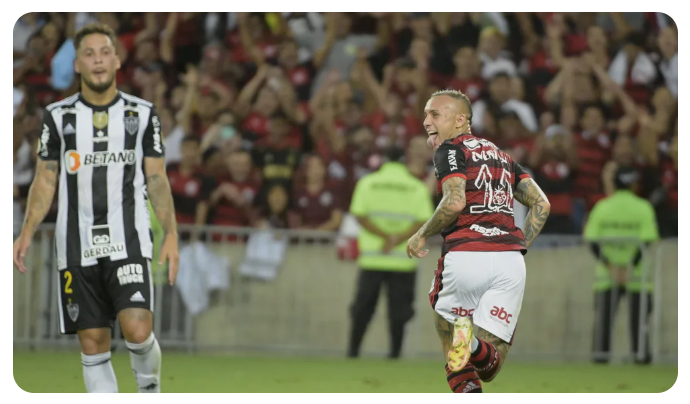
110	195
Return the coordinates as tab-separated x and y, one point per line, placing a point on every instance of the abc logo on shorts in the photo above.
459	311
501	314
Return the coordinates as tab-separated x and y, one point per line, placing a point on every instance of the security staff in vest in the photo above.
622	269
390	206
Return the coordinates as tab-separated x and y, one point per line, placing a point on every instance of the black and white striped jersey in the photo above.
102	201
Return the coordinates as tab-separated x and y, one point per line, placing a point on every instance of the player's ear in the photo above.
76	66
460	120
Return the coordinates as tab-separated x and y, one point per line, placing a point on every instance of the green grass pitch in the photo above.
53	372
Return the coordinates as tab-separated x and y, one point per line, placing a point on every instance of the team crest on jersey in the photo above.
100	119
131	124
73	311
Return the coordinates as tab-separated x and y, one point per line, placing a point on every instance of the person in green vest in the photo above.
621	269
390	206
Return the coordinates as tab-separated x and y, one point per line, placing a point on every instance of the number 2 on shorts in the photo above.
68	276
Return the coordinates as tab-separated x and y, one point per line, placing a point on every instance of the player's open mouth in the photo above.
431	141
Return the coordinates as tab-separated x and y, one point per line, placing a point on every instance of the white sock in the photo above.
475	344
99	376
146	364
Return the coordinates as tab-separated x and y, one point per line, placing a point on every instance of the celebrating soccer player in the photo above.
478	287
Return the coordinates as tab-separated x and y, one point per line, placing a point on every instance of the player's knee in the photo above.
136	324
138	335
94	341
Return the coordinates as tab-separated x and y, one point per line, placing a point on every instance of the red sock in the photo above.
464	381
486	360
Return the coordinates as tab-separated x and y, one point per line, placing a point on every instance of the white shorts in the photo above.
487	286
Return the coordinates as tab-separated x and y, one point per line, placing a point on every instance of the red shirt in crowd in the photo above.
592	152
670	180
315	209
403	131
188	191
555	179
472	88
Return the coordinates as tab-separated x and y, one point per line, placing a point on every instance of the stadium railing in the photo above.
305	309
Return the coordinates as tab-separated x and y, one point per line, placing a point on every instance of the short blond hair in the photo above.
458	95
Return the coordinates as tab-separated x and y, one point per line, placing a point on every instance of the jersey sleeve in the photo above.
49	142
650	231
153	137
520	173
449	161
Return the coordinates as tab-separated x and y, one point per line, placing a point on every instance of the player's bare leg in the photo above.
99	376
460	372
488	354
145	353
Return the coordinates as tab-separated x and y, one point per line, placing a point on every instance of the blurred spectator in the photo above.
273	94
593	148
495	59
181	40
393	124
668	66
467	78
344	86
633	68
190	188
273	212
668	206
554	161
501	99
232	200
317	204
338	50
277	155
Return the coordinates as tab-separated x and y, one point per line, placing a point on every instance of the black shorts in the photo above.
91	297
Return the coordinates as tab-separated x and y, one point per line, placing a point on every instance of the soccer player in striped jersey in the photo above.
478	286
104	150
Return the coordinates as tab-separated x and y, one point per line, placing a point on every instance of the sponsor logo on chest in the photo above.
494	231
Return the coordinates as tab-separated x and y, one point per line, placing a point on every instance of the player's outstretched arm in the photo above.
447	212
40	199
529	194
164	208
40	195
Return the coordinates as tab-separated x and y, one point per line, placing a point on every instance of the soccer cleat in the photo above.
461	347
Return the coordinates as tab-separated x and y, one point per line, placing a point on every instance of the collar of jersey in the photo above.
457	137
100	107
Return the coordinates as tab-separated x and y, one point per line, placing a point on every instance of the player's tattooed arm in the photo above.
447	211
159	192
41	194
530	195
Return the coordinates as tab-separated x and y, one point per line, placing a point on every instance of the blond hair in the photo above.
457	95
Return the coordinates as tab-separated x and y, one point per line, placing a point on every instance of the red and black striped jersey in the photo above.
487	222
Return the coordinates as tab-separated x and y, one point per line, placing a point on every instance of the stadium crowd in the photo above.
271	118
